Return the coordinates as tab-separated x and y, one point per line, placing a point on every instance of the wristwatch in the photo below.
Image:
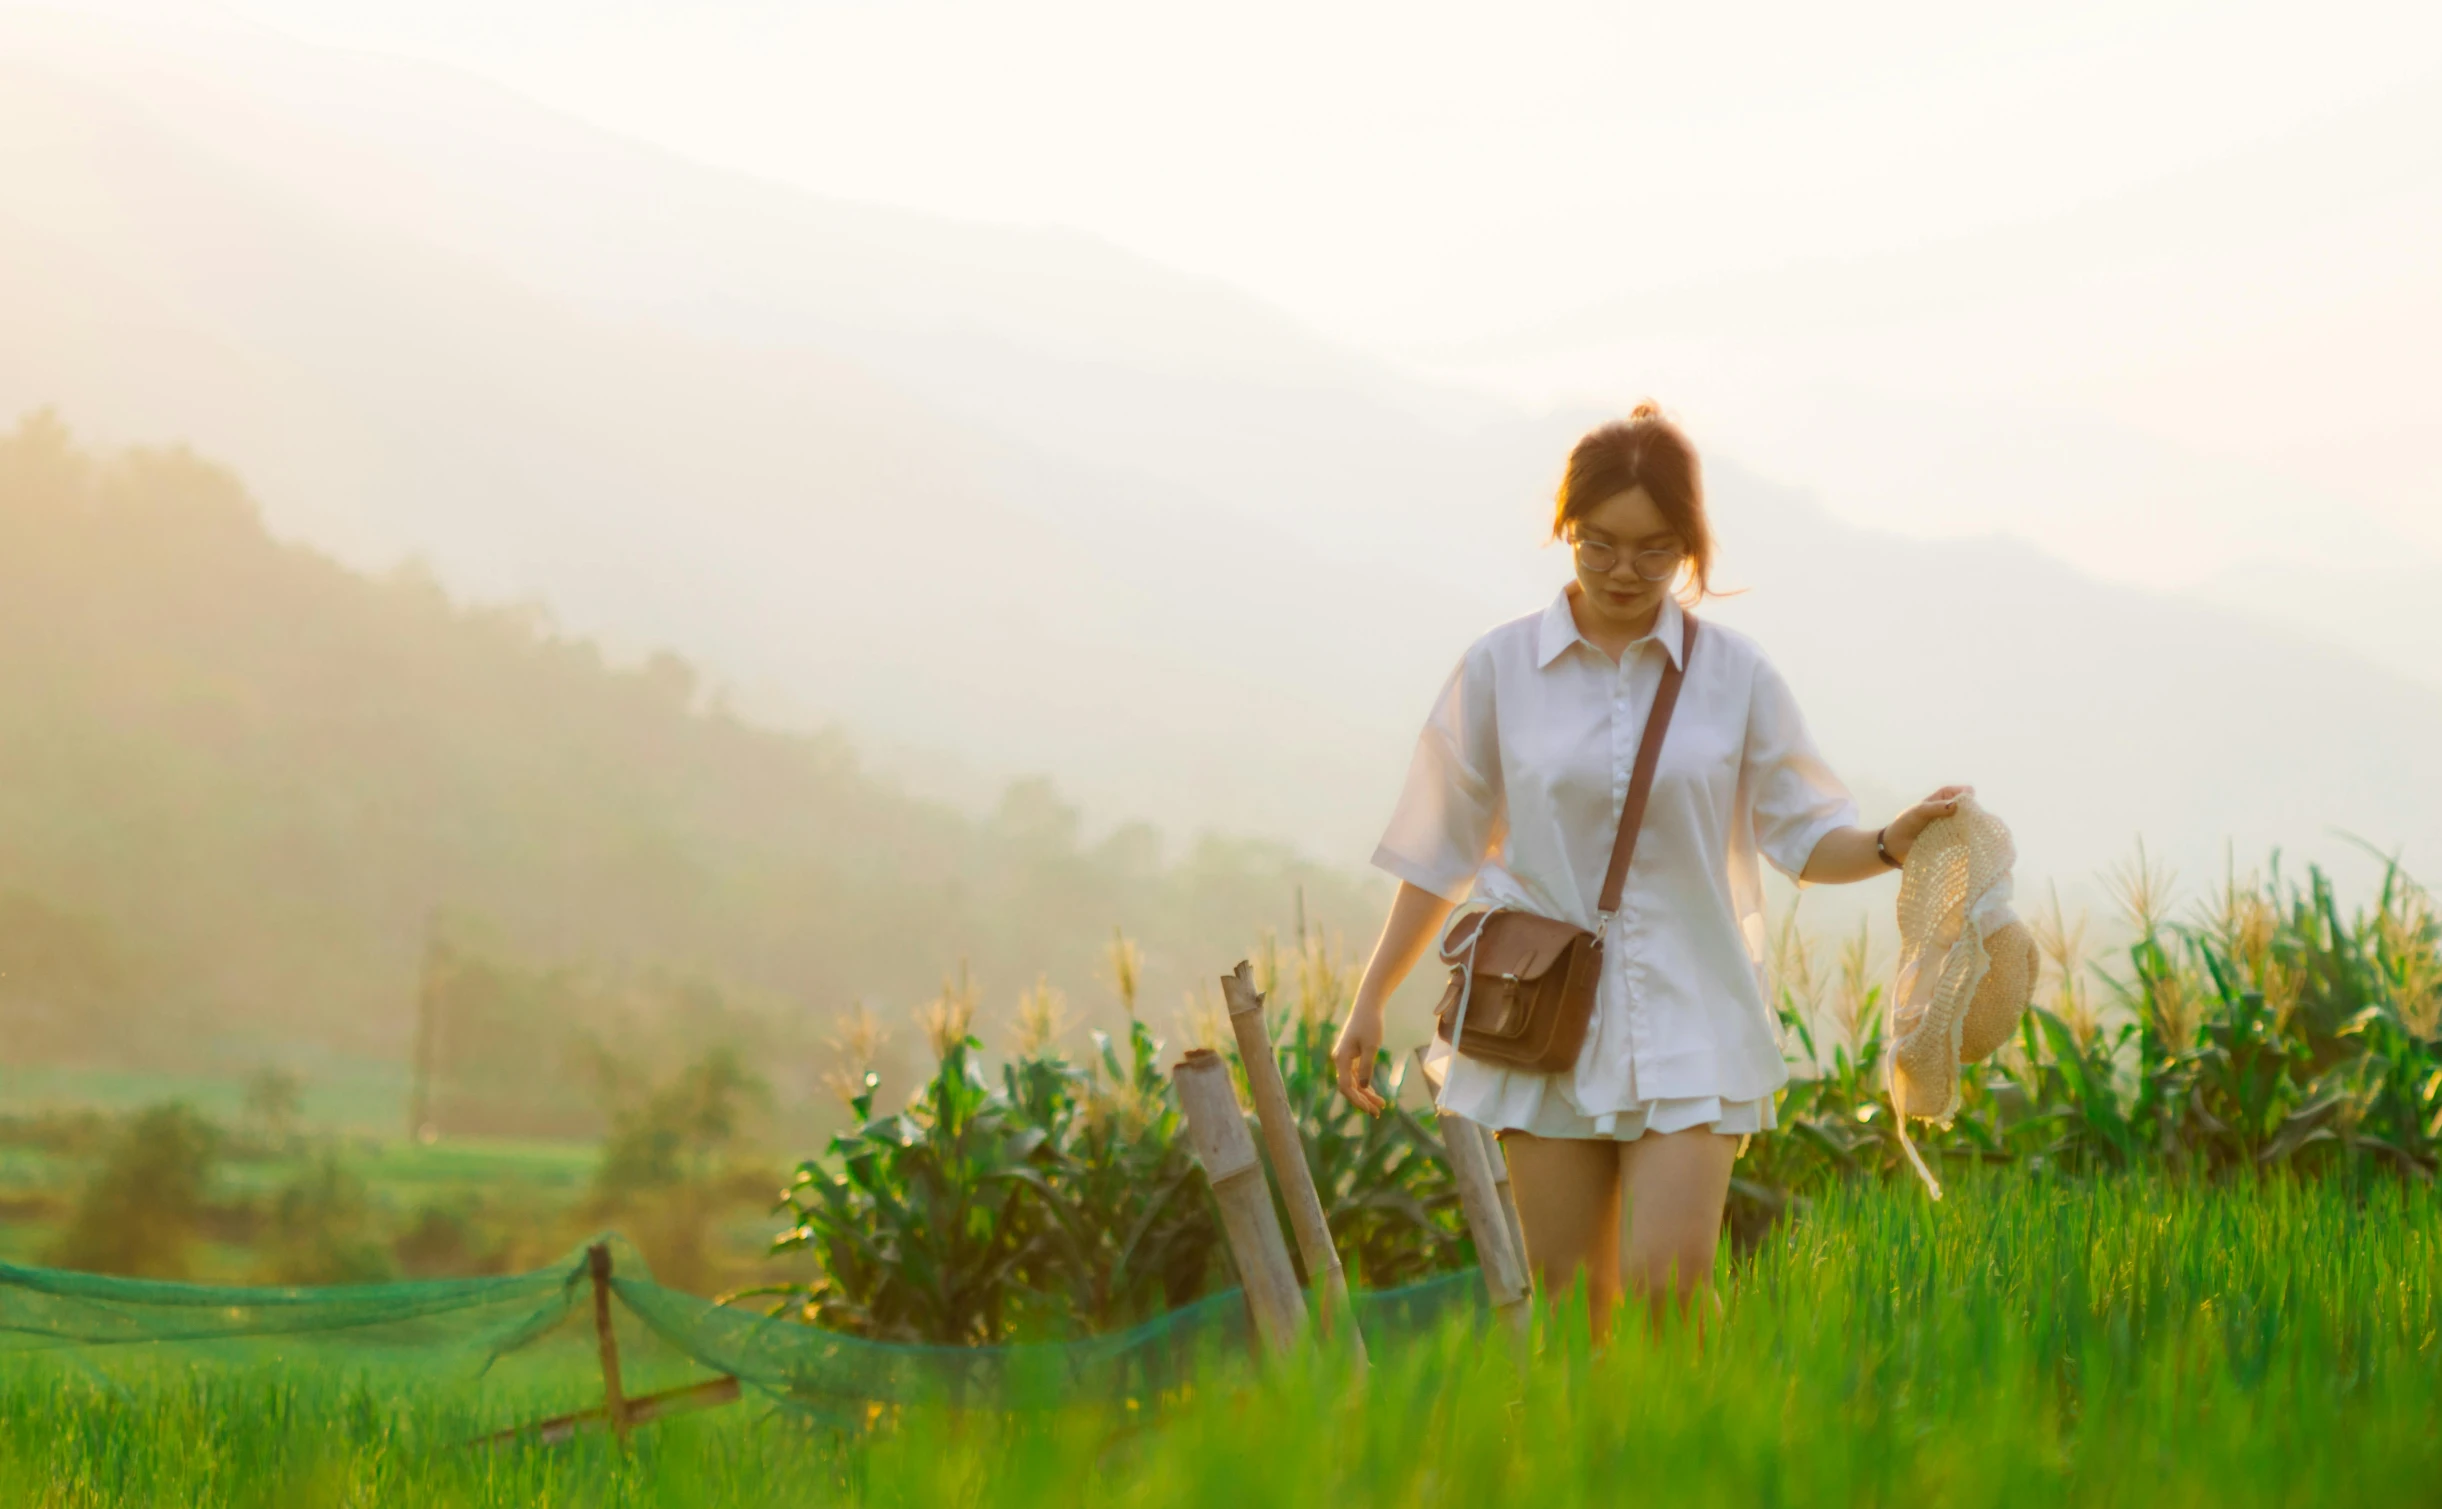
1882	853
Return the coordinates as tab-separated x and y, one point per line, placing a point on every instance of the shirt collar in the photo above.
1559	630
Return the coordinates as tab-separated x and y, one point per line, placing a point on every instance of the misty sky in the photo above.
2194	239
2149	284
2157	291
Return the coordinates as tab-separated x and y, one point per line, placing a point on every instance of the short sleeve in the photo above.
1793	797
1450	813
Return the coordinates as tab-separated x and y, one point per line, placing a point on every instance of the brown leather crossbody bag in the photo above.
1522	985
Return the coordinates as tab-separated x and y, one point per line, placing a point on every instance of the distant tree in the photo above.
320	1228
275	1097
445	1239
673	1155
672	679
138	1211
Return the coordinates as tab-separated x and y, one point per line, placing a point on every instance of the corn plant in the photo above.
2264	1032
1134	1233
1835	1121
2264	1029
924	1222
1062	1200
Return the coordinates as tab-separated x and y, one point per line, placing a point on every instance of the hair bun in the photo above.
1645	409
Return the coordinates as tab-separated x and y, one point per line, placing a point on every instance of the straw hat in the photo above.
1966	965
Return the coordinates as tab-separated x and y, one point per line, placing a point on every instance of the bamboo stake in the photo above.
1288	1150
1504	1266
1508	1199
614	1404
1216	1132
1504	1272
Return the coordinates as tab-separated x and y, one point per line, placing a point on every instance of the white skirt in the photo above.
1554	1117
1540	1105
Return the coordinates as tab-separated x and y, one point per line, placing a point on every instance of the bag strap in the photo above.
1640	784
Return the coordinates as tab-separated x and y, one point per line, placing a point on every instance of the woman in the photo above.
1514	797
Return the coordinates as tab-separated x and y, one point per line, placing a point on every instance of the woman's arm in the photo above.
1415	919
1847	854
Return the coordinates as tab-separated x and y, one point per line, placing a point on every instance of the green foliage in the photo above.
140	1208
320	1228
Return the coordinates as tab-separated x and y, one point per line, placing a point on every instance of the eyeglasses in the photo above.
1599	556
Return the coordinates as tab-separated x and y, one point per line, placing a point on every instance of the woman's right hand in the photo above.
1416	915
1352	1056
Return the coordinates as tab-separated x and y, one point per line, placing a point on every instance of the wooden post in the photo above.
614	1404
616	1410
1288	1150
1479	1200
1216	1132
429	986
709	1394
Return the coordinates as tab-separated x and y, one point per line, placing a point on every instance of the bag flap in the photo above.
1523	944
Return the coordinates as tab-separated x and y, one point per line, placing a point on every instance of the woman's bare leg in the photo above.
1677	1185
1568	1194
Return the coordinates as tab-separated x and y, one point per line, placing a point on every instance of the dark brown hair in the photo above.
1644	450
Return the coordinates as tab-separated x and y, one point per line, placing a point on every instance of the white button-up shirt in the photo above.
1514	797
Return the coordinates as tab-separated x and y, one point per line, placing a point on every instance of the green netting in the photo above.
46	1308
836	1376
466	1328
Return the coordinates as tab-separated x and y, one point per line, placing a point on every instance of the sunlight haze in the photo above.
2099	244
741	741
2148	291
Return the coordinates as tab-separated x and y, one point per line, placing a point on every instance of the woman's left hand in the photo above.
1900	836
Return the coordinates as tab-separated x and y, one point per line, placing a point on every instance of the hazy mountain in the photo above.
1012	494
239	782
786	514
2390	613
2087	714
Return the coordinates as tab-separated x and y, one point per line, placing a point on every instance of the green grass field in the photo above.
521	1200
2027	1341
350	1096
542	1179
